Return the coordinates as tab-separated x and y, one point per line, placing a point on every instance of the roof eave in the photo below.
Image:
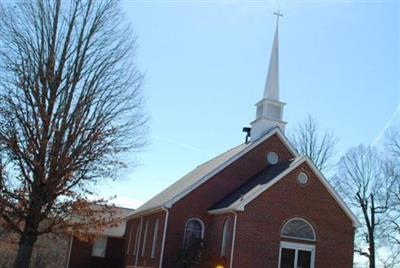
142	213
223	210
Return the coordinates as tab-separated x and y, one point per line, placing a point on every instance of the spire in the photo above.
271	90
269	108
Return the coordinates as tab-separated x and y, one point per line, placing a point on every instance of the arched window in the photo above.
298	229
130	238
154	244
226	237
297	254
136	245
194	229
146	227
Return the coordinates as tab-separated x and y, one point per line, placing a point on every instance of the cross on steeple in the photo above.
278	14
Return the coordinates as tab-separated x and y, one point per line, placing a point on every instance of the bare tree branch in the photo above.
309	141
392	146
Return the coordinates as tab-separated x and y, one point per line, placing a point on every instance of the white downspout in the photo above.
140	236
233	239
164	236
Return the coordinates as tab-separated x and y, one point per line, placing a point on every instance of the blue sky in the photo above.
205	66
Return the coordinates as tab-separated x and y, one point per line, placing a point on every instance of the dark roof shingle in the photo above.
261	178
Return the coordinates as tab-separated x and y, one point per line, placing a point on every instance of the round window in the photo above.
272	158
302	178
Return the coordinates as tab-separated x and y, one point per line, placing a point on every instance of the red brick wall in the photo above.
146	260
81	254
259	226
114	252
197	203
217	227
130	238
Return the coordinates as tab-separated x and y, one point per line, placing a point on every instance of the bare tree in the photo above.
363	182
390	257
319	147
70	104
393	148
392	139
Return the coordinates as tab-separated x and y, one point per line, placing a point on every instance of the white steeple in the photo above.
269	108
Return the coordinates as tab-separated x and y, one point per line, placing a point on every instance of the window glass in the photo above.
295	257
99	247
153	246
226	237
287	257
130	238
145	238
299	229
304	259
272	158
193	231
135	249
302	178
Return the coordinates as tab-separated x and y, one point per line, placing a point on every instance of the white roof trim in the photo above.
239	205
230	161
221	211
145	212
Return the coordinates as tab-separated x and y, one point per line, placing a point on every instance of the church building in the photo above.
257	205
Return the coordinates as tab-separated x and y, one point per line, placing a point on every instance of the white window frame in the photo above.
297	238
155	234
297	247
184	230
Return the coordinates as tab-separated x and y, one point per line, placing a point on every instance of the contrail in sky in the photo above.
396	112
180	144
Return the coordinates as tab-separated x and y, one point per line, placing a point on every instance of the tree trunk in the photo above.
372	252
372	234
25	249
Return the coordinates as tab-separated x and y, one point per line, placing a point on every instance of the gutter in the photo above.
139	214
164	236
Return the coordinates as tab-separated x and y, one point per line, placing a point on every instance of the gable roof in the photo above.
262	178
189	179
202	173
116	215
264	181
